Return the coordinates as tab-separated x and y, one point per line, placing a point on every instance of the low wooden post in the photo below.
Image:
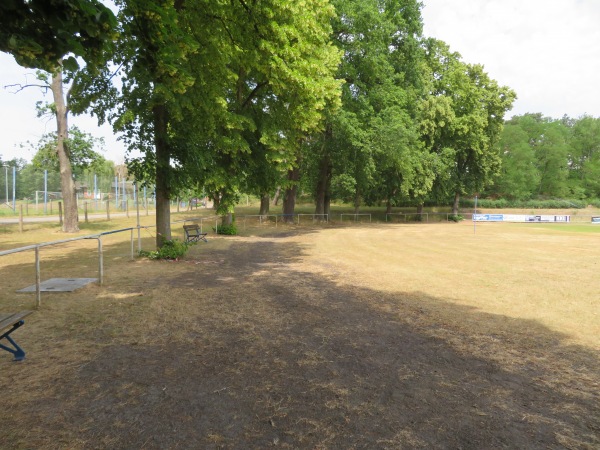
85	211
108	210
21	218
60	216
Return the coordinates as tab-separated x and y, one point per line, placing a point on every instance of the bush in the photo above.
455	218
171	250
230	230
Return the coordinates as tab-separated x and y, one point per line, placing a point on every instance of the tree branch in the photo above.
22	87
254	92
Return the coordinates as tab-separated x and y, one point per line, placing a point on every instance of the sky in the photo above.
547	51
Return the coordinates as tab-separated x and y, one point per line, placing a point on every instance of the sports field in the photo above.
370	336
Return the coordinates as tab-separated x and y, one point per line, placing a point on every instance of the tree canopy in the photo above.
39	33
341	99
204	83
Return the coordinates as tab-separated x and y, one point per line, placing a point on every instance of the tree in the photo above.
519	177
200	78
464	127
50	34
40	33
371	145
552	151
584	162
82	151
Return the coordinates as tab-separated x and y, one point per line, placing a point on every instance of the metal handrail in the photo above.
36	248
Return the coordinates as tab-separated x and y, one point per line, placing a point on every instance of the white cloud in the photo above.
546	50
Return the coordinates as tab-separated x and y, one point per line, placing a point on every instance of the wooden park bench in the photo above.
12	321
193	233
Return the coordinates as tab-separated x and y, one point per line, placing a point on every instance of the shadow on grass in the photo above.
242	349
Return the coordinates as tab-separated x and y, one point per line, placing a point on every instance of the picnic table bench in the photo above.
193	233
12	321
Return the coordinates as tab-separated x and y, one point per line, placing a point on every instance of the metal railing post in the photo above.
132	254
38	291
100	262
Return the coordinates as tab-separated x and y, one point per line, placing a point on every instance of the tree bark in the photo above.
420	212
163	191
227	219
289	197
323	191
70	223
276	197
264	205
388	206
455	203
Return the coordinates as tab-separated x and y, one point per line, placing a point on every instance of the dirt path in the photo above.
243	345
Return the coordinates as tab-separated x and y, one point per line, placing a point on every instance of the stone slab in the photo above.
60	285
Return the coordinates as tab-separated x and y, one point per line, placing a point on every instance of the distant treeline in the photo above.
544	159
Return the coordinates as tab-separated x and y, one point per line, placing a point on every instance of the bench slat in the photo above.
9	319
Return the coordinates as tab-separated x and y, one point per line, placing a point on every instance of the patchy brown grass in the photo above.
382	336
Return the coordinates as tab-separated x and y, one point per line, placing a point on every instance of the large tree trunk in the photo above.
163	191
289	197
388	206
227	219
455	204
420	212
67	185
264	204
323	191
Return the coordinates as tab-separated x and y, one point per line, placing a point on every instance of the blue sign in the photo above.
488	217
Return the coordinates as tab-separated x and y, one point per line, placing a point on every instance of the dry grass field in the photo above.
372	336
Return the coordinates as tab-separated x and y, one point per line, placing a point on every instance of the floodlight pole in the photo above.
14	205
45	191
6	181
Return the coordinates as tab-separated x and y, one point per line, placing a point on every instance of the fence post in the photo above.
85	211
60	217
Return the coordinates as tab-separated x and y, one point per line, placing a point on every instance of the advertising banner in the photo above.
520	218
